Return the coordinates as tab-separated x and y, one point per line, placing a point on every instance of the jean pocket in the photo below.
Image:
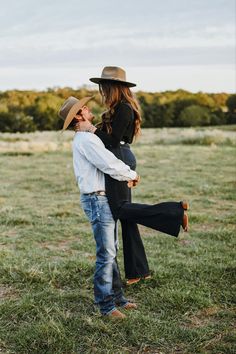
87	207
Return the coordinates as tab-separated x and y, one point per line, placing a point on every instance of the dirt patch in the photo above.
184	242
90	256
11	233
4	246
8	293
63	214
203	317
63	245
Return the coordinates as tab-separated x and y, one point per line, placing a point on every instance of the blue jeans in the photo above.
107	283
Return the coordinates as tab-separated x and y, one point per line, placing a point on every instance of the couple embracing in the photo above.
104	167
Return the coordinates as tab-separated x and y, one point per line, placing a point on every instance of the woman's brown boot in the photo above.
185	205
185	223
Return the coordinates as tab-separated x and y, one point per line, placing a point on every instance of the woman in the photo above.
120	126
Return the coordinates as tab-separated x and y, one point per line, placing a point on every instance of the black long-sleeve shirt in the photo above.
122	122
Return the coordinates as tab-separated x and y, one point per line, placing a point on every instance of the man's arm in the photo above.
96	153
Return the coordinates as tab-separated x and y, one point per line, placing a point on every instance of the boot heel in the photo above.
185	205
185	222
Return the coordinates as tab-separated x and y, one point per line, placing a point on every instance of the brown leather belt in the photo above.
97	193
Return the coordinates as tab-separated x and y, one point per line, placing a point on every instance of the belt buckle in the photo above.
100	193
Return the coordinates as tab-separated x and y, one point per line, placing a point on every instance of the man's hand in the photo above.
133	182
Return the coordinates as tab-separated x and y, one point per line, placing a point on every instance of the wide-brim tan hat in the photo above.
112	74
70	108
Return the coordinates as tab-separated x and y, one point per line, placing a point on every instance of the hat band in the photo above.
112	78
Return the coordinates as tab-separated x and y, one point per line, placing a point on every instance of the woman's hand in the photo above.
77	127
133	182
85	125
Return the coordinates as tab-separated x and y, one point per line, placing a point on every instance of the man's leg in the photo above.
105	258
103	224
119	297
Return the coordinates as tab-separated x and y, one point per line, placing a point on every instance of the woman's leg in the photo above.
135	260
166	217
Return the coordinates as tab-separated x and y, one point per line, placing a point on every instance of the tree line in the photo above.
27	111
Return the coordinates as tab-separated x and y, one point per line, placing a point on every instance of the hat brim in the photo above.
98	80
74	110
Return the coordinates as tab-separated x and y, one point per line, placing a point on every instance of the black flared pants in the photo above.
164	217
135	260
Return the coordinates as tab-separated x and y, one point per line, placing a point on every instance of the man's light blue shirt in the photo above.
91	160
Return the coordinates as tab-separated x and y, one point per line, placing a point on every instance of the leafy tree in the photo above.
178	107
231	105
219	99
152	111
159	109
45	112
16	122
218	117
194	116
204	100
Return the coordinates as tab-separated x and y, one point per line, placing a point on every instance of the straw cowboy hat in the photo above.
113	74
70	108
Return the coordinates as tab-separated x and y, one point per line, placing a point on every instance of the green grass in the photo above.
47	256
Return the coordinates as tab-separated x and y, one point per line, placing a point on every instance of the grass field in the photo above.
47	249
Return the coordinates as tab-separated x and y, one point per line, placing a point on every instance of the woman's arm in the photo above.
123	117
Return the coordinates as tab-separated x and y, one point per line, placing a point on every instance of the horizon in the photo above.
92	88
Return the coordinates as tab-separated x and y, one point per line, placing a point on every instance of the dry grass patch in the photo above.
8	293
203	317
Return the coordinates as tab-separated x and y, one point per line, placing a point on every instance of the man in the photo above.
91	160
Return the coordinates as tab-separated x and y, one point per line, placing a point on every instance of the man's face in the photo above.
85	113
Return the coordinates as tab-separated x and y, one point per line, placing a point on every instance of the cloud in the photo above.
134	33
95	43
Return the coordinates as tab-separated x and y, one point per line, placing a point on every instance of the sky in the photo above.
162	44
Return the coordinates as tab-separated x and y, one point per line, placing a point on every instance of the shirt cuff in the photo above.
133	174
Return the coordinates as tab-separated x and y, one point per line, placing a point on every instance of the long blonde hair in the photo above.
113	93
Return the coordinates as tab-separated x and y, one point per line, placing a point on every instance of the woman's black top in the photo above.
122	123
